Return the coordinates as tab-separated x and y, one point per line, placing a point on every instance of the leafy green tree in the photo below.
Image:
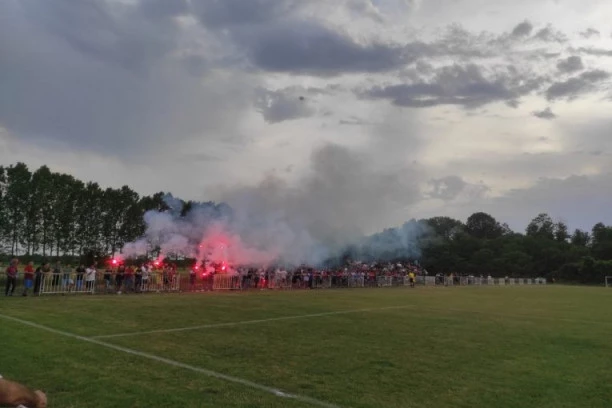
580	238
541	226
483	226
445	227
601	241
17	192
561	232
3	208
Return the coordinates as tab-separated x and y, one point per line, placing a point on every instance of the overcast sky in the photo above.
390	109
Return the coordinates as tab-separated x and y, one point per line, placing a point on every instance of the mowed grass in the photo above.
473	347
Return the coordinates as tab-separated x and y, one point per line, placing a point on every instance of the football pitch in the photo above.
434	347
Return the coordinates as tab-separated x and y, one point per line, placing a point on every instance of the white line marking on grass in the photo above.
209	373
230	324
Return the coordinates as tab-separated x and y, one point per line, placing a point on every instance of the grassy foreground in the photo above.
441	347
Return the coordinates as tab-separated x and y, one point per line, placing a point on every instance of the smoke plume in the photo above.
336	205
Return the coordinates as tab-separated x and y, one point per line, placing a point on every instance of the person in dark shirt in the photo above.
80	272
40	274
108	278
119	278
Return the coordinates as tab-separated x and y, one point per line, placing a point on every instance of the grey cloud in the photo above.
570	64
310	47
590	32
93	78
549	34
287	104
447	188
585	82
598	52
160	9
544	114
109	32
523	29
219	13
468	86
583	199
366	8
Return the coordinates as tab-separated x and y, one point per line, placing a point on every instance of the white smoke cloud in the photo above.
340	201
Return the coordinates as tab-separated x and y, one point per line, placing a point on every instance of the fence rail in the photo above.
75	284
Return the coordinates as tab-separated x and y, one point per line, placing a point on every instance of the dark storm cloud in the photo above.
160	9
544	114
100	76
310	47
109	32
220	13
468	86
571	88
570	64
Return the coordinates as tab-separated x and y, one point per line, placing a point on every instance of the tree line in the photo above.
48	214
53	214
483	246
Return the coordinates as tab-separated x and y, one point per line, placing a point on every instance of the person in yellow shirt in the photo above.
411	279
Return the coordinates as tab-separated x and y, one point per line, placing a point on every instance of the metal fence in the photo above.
74	284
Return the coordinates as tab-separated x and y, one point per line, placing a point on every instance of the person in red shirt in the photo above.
11	277
28	278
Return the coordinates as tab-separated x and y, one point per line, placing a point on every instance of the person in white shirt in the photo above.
90	278
146	271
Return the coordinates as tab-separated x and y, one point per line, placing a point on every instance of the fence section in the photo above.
74	284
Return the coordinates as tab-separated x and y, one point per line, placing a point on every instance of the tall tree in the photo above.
561	232
483	226
580	238
445	227
17	192
601	241
3	208
541	226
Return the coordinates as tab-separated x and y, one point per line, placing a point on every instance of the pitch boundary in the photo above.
270	390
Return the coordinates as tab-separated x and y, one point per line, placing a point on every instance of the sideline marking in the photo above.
209	373
230	324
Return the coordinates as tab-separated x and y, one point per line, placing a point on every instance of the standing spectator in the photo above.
138	281
119	278
80	272
108	272
42	272
90	278
146	272
56	275
192	278
11	277
28	278
129	279
166	276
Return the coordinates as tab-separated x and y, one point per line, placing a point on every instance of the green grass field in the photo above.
427	347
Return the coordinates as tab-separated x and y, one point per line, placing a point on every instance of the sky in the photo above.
360	112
